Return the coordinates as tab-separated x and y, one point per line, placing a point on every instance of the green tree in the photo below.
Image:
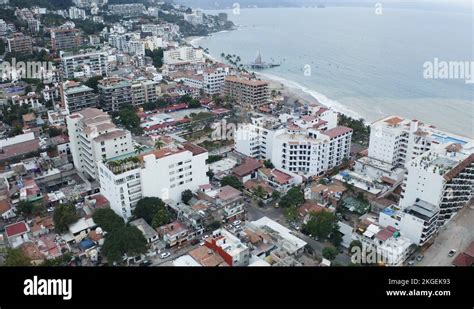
161	217
64	215
147	207
186	196
139	149
93	82
25	208
294	197
336	238
210	174
321	224
275	195
125	240
194	104
329	253
52	131
128	119
159	144
291	213
16	257
232	181
354	243
268	164
260	192
214	225
107	219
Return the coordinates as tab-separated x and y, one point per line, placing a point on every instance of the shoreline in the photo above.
291	91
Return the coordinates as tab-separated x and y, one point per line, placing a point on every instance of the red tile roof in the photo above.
470	250
16	229
337	131
463	260
247	167
4	206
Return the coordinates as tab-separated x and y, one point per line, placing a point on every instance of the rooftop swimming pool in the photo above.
447	139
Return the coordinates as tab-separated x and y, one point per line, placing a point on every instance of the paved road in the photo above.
457	234
254	213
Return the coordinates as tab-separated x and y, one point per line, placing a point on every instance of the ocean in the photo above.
363	64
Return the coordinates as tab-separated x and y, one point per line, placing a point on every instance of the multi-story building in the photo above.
442	177
76	13
231	201
144	91
305	148
63	39
136	47
183	54
129	9
3	28
94	138
397	141
33	25
84	65
76	96
418	222
229	247
118	41
125	179
20	44
89	3
247	92
214	79
114	93
384	246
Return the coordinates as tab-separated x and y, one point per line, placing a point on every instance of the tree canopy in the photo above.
186	196
64	215
294	197
108	219
128	119
153	211
125	240
232	181
16	257
329	253
322	224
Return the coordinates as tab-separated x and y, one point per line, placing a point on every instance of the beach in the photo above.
291	91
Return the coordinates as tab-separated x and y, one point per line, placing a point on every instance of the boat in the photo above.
260	64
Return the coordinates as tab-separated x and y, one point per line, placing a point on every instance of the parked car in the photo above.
420	257
452	252
201	243
195	241
411	263
236	222
145	263
164	255
205	236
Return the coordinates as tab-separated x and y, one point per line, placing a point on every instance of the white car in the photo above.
205	236
237	222
164	255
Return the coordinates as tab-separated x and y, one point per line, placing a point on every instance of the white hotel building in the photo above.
163	173
94	138
308	145
437	169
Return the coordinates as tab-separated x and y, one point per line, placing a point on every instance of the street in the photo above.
255	212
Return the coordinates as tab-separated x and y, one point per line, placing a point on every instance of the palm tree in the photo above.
159	143
139	149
